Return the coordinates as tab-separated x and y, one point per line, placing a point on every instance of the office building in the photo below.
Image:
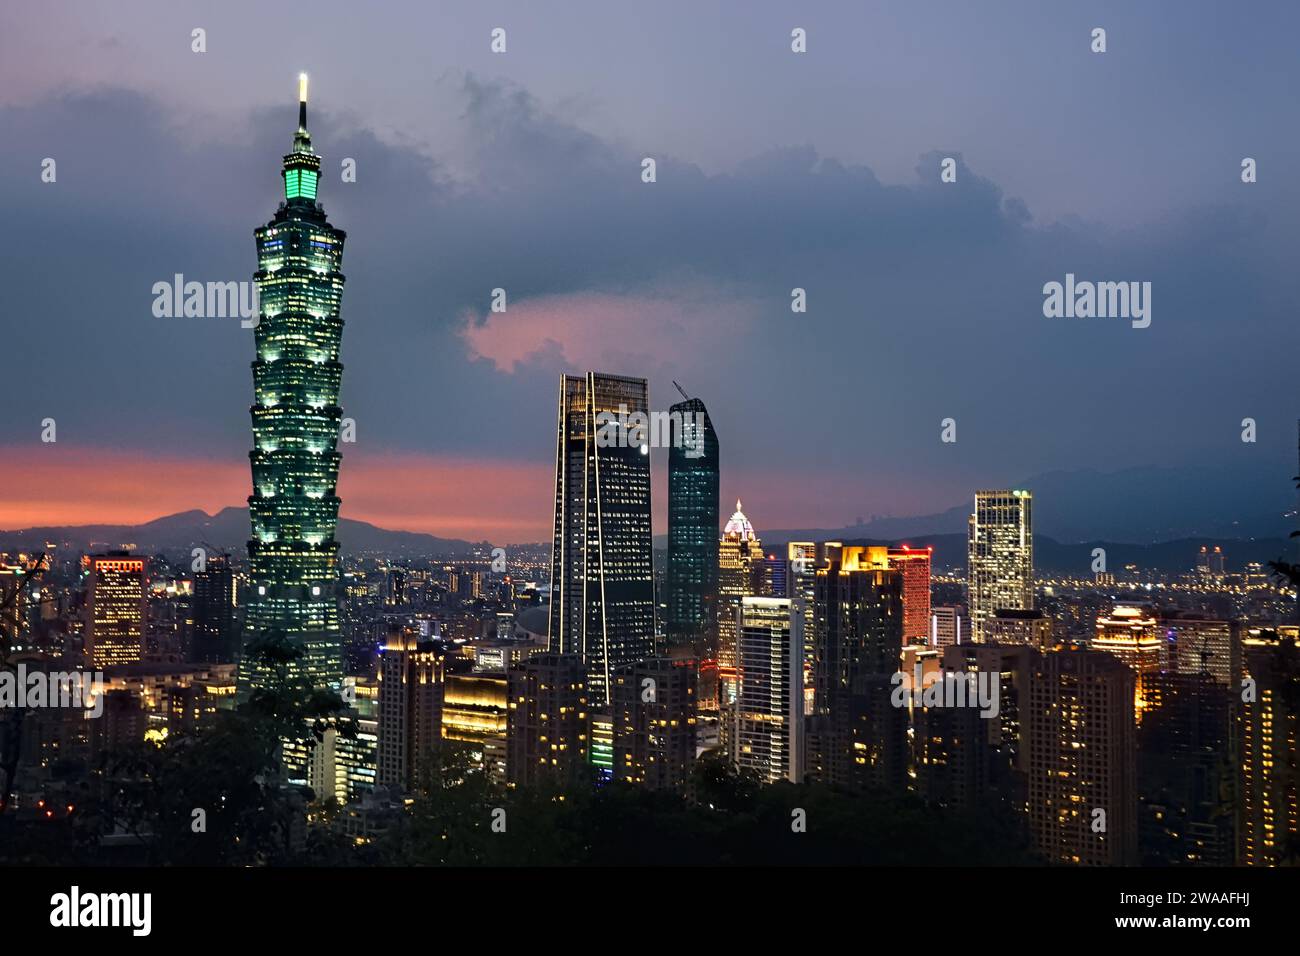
859	739
294	507
116	604
214	639
602	589
767	734
1000	556
914	565
692	570
740	568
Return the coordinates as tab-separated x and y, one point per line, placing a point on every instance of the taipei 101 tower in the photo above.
294	507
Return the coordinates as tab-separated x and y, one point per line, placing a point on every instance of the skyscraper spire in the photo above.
302	166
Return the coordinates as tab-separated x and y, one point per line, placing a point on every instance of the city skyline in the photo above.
882	658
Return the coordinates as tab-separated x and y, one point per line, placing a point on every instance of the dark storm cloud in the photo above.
924	299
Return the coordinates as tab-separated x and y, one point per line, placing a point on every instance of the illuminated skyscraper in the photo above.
1132	636
860	738
914	563
293	555
768	721
740	564
214	640
693	531
115	609
1000	556
602	587
412	675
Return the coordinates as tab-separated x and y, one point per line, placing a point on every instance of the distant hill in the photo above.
227	529
1138	505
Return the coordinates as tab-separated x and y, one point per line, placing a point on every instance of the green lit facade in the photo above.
293	555
692	580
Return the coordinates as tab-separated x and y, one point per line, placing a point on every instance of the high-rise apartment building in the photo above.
602	588
1000	556
548	721
294	507
116	606
1269	748
859	737
214	639
767	734
412	672
1081	756
654	717
1187	771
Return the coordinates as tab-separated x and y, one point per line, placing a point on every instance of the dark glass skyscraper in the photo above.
602	589
692	527
294	509
215	638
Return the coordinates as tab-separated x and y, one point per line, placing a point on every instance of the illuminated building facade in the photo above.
949	625
411	676
914	565
116	605
767	737
602	588
13	617
692	571
803	558
214	639
1134	637
860	737
740	565
999	556
548	721
293	555
1268	808
1008	626
1082	759
653	713
1204	645
474	713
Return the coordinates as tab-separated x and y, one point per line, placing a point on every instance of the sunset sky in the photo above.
775	170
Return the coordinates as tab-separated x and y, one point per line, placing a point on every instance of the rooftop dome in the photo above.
739	526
